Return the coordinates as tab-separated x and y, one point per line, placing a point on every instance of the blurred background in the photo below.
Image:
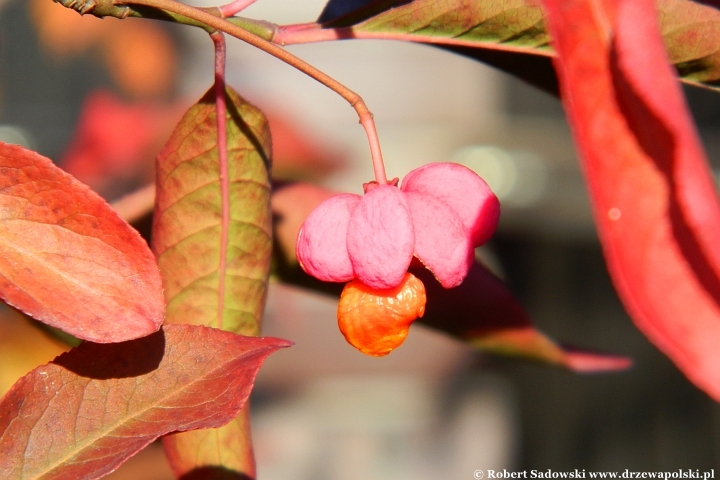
100	97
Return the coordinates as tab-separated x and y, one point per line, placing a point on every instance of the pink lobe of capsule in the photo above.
442	243
321	246
380	237
463	191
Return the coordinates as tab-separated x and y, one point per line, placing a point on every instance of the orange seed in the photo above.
377	321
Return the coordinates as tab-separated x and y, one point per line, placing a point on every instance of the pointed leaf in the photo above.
511	35
215	266
481	310
653	194
67	259
85	413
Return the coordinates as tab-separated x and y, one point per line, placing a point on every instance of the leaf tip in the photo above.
585	362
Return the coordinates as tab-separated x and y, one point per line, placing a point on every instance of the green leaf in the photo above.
691	33
512	24
511	35
202	286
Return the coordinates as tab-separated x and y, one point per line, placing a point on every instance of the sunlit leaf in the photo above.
205	282
653	195
510	33
67	259
90	409
214	246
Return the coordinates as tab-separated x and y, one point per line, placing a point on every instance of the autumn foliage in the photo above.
172	333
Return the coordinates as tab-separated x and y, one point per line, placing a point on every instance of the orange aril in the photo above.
377	321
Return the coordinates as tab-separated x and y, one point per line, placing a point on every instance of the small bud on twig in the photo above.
98	8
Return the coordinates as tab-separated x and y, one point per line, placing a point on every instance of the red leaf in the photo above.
653	195
67	259
484	313
89	410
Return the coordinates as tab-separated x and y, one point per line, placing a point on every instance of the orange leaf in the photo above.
67	259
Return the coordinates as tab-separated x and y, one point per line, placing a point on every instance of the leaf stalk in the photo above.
234	7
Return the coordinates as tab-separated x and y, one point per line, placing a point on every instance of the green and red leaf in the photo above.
89	410
653	194
67	259
227	449
512	34
212	235
206	281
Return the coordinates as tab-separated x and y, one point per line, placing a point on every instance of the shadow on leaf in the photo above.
115	360
659	143
214	473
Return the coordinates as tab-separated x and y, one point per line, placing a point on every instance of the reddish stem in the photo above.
221	111
378	166
278	52
234	7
